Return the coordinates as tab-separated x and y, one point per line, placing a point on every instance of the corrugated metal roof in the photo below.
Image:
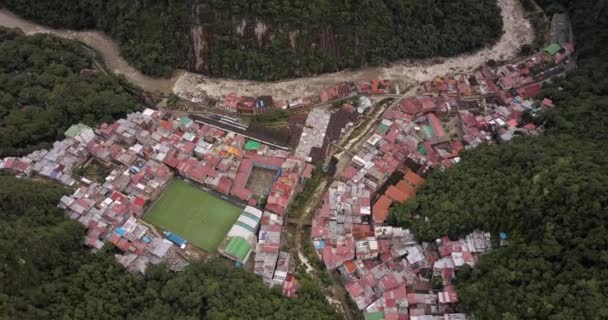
251	216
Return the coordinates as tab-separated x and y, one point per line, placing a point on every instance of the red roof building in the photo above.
530	91
436	125
224	185
414	179
548	103
428	104
406	188
349	172
380	209
411	106
308	169
396	195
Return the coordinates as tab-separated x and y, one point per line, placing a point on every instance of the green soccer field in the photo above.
199	217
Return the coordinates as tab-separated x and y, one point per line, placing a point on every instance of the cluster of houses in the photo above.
396	277
214	158
388	274
324	127
112	215
57	163
248	105
142	153
276	267
313	133
456	112
262	232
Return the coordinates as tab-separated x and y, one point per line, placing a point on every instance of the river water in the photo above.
517	32
107	48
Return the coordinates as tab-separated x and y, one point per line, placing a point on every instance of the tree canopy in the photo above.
42	92
273	39
548	193
47	273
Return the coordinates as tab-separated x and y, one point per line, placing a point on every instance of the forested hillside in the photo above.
46	273
273	39
549	194
42	92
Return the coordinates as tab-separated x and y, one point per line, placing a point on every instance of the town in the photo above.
137	182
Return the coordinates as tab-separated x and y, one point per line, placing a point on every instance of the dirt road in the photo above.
517	32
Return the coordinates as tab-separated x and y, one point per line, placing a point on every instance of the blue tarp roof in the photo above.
120	231
319	244
176	239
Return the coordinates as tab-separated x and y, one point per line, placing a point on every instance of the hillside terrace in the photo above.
385	270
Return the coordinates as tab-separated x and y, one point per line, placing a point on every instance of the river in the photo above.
517	32
107	48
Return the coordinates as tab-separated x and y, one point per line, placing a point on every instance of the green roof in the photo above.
244	225
75	130
185	120
422	150
238	247
252	145
251	216
428	131
552	49
374	315
382	129
189	136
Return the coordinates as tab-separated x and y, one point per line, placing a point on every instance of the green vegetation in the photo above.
46	273
275	116
196	215
272	39
299	202
42	92
320	271
147	30
549	193
94	171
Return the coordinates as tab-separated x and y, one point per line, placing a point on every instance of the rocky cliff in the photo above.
273	39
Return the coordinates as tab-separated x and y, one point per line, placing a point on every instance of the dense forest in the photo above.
273	39
548	193
46	273
42	92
